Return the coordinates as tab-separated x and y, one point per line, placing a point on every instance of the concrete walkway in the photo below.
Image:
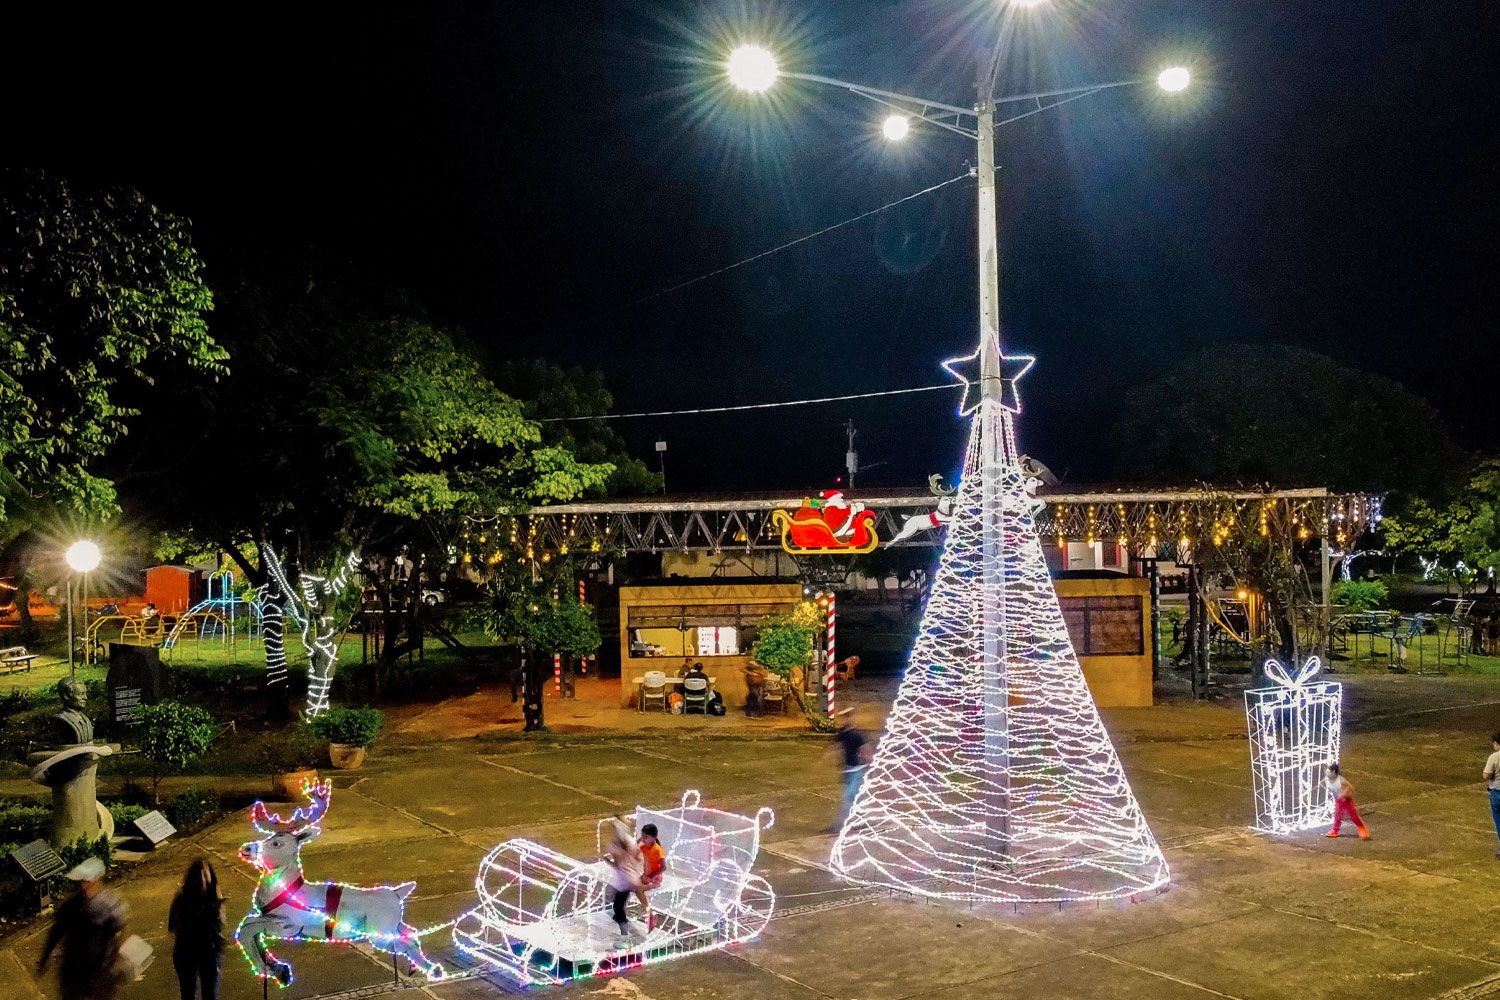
1409	914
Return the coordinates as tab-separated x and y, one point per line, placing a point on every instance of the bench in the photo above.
15	658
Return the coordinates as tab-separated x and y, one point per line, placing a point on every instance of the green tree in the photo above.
540	617
96	290
1283	416
174	735
784	646
557	398
370	435
1457	538
101	297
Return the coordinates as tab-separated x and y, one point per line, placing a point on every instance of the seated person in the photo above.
696	670
149	613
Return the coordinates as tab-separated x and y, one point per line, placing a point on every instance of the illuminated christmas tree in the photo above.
996	779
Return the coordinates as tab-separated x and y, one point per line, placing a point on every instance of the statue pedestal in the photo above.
70	772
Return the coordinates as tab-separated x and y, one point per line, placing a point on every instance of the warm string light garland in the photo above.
544	918
1295	728
286	907
996	780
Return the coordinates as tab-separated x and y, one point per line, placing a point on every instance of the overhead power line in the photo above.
750	406
766	253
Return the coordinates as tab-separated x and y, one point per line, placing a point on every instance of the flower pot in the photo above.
346	756
287	785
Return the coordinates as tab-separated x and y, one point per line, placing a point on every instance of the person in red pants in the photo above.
1343	804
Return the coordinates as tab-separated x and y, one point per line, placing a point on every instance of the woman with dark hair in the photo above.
197	918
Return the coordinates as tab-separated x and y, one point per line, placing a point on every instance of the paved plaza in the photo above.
1410	913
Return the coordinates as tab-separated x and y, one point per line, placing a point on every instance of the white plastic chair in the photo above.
694	692
654	688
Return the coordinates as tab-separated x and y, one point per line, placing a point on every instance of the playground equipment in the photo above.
544	917
217	616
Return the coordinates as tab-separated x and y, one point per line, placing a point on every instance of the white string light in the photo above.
996	780
306	605
1295	729
544	917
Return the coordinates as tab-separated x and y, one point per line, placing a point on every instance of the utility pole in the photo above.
661	453
851	457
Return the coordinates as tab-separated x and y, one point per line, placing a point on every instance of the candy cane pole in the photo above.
832	616
583	664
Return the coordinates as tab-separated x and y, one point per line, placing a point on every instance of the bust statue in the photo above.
71	725
69	768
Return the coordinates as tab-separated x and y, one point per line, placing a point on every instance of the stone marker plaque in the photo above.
154	827
38	860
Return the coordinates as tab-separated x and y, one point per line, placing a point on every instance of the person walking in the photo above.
1343	803
197	919
89	927
1492	782
854	747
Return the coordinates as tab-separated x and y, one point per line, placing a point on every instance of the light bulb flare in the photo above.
752	69
1173	79
83	556
896	127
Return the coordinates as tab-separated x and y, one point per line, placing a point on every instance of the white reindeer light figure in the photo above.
286	907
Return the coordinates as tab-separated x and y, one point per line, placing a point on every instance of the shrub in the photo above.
292	752
174	735
192	807
125	813
24	823
355	726
1359	595
72	854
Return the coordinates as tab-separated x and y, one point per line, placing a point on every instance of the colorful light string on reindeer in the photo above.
287	907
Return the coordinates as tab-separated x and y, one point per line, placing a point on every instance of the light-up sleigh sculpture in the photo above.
1294	735
996	780
544	917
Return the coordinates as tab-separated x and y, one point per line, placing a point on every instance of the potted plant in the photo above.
348	732
293	763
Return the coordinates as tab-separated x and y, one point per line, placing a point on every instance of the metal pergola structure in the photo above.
1145	521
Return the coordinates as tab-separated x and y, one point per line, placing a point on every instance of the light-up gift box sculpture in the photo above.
544	917
1294	735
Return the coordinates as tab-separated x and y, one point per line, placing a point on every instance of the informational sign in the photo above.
134	681
154	827
38	860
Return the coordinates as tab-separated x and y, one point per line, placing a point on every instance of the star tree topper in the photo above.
998	382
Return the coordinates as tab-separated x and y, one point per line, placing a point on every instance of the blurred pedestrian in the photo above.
854	748
627	866
1492	782
90	927
197	919
1343	803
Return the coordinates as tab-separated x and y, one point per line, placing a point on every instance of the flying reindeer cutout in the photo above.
287	907
935	518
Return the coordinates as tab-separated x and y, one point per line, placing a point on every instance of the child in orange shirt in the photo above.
656	867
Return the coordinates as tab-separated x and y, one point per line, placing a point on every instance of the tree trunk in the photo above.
532	685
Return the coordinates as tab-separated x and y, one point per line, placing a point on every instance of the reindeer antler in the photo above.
317	795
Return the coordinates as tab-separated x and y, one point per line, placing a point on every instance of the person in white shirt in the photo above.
1343	803
1492	782
626	868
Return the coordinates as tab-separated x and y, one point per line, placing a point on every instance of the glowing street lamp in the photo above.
1173	79
896	127
752	69
83	556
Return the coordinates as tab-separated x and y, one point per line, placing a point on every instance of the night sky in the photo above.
530	169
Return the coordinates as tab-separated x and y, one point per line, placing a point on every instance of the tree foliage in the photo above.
1359	595
174	735
1457	537
1283	416
97	291
552	393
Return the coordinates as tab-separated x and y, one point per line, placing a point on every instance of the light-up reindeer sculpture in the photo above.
287	907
